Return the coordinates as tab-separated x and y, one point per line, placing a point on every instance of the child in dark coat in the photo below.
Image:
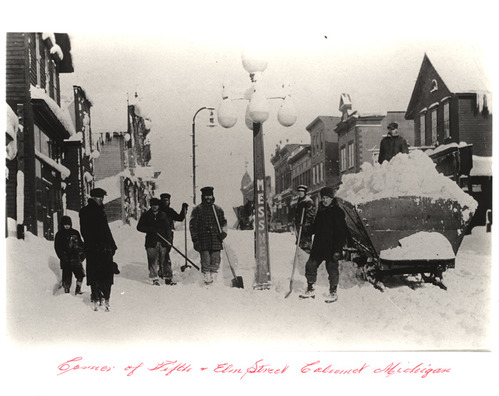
69	249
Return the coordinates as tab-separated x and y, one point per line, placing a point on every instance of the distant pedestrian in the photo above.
172	216
330	236
99	248
304	206
70	251
392	144
205	234
154	223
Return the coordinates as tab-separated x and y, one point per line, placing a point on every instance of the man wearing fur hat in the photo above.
205	233
304	206
392	144
330	235
99	248
152	223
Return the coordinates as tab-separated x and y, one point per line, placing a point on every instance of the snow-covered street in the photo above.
192	315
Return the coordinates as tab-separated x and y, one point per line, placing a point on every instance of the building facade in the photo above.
35	180
324	155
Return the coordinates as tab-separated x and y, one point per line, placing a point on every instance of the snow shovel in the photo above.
296	255
178	251
186	265
237	281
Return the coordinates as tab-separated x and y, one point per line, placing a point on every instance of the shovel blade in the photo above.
238	282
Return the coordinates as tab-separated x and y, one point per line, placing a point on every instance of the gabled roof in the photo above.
460	70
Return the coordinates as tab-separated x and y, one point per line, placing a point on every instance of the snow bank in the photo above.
411	174
421	246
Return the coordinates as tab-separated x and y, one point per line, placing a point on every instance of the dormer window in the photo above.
434	85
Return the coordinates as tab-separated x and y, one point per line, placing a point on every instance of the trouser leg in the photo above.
67	275
165	262
332	267
152	261
311	270
215	259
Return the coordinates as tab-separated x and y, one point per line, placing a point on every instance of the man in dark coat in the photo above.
172	216
154	222
331	234
304	206
205	233
392	144
69	249
99	248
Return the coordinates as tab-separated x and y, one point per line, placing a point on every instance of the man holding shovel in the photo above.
172	216
207	237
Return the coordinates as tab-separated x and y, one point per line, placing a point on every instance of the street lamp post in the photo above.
256	114
194	148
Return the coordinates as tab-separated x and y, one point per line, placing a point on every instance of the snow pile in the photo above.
411	174
421	246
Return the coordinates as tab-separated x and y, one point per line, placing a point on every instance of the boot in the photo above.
94	305
66	290
333	296
208	280
310	292
106	305
78	288
214	277
169	282
155	282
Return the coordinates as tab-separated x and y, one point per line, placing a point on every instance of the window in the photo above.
351	155
38	60
321	172
343	158
313	175
422	129
446	121
434	126
434	86
42	142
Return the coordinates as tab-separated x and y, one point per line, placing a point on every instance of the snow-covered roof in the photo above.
12	128
62	115
65	172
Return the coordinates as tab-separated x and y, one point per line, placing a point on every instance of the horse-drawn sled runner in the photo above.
404	218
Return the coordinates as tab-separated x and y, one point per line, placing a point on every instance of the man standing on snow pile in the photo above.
331	235
392	144
205	234
172	216
152	223
306	207
69	248
99	248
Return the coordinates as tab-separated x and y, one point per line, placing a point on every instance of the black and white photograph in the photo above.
250	199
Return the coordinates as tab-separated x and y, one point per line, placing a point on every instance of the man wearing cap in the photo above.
205	233
155	223
304	206
172	216
392	144
99	248
331	233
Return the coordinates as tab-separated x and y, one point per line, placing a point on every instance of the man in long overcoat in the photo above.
330	236
158	230
99	248
206	235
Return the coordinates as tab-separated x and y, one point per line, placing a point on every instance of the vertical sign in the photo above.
262	276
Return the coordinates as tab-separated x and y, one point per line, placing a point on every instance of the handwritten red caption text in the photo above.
257	368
